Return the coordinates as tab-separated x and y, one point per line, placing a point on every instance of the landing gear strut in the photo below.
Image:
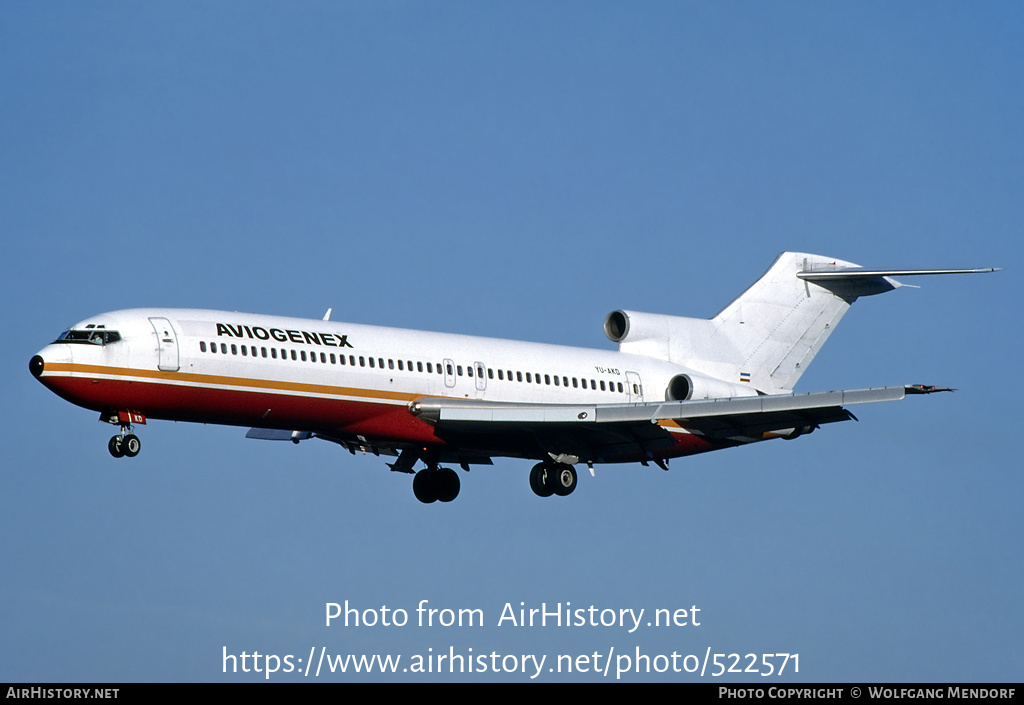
547	479
436	484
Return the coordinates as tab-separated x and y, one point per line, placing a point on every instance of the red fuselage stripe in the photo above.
241	401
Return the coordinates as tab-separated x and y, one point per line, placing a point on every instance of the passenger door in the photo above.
167	343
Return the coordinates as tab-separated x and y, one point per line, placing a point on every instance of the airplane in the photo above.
675	387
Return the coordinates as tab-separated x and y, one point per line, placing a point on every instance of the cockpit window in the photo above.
96	336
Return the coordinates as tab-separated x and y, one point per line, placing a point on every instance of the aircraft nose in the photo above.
35	365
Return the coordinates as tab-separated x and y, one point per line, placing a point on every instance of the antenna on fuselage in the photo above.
327	316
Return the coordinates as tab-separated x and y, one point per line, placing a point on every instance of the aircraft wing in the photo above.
605	432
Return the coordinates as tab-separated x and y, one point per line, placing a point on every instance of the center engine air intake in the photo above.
616	326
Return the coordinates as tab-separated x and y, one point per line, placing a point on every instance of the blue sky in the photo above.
516	170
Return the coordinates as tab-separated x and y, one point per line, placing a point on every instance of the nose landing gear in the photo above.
127	445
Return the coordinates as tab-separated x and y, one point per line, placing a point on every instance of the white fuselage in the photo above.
325	376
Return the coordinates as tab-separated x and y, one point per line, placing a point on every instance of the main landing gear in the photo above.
436	484
547	479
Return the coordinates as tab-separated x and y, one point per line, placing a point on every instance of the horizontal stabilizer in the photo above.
850	273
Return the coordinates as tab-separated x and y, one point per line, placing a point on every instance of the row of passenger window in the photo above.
285	353
562	381
402	365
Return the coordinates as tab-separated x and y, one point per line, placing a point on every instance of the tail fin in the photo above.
776	327
770	333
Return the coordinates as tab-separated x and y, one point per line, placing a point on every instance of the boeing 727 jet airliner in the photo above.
676	386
